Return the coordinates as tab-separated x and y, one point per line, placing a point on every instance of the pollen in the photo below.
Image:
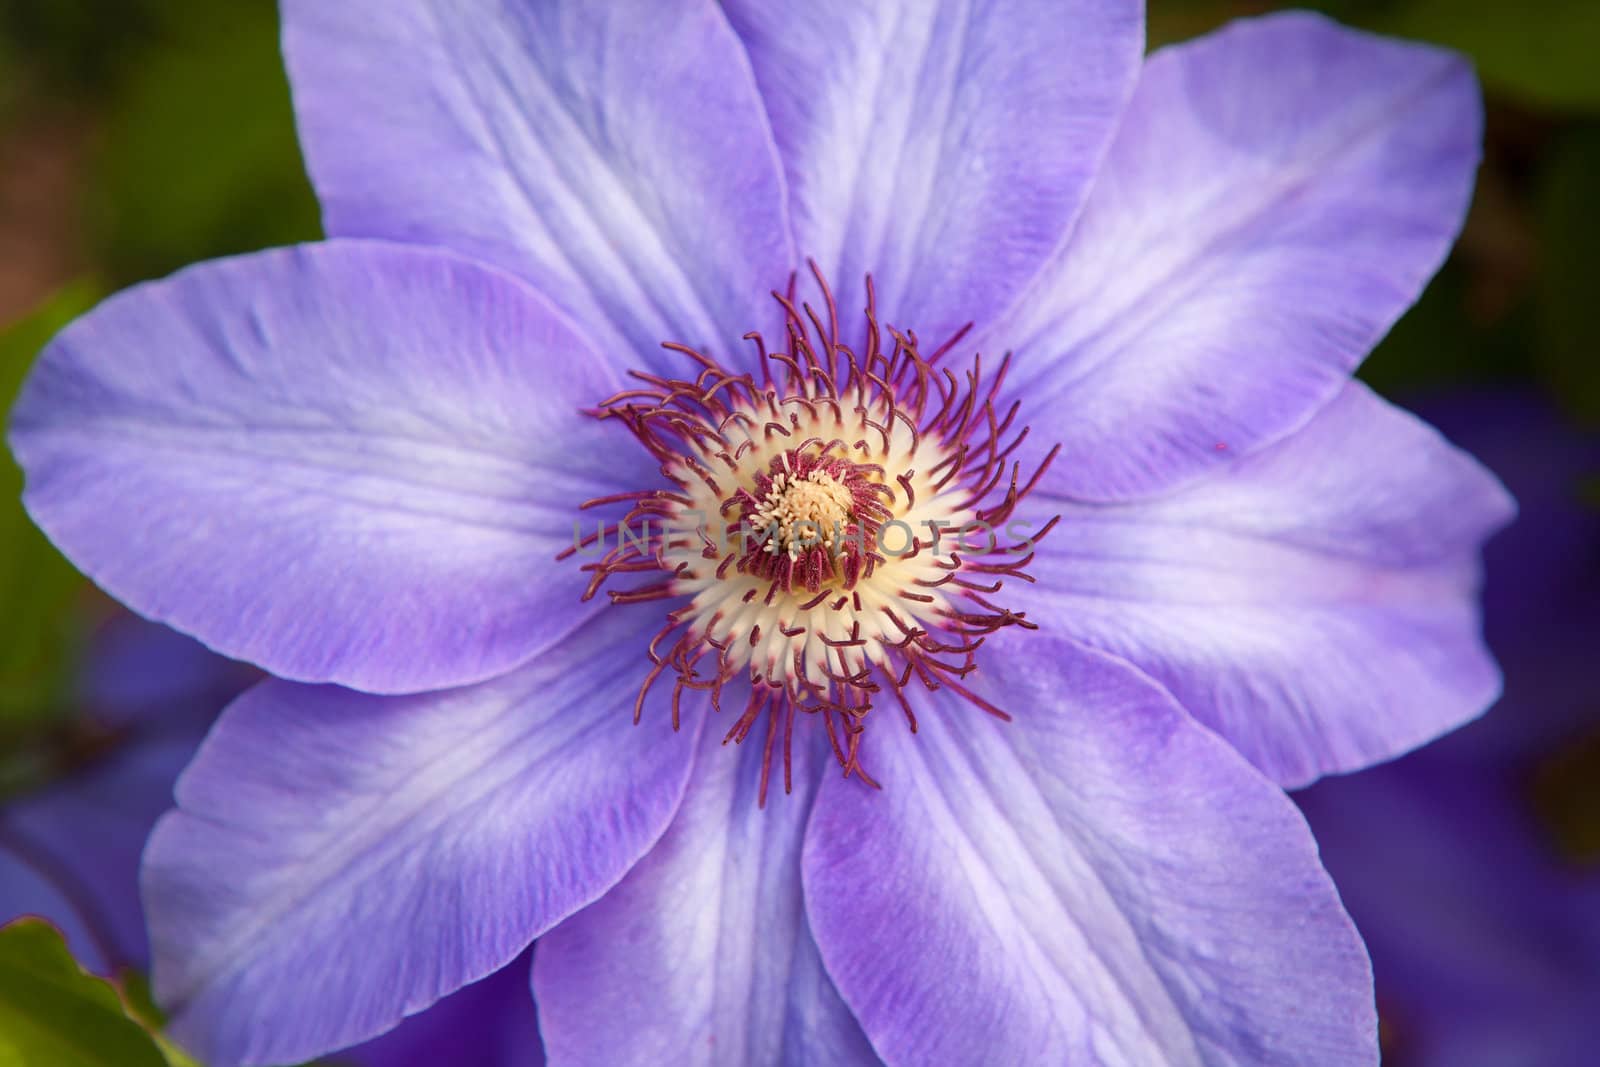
831	534
804	509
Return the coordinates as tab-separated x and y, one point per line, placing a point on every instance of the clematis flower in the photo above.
69	851
763	798
1470	866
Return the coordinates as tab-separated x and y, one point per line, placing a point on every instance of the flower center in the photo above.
802	509
806	520
834	530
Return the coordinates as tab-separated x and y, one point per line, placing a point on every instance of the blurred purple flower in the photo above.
1485	936
486	1024
354	463
69	852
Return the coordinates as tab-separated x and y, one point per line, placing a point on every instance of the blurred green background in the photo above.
137	136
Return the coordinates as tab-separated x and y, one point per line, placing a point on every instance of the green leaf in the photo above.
37	586
142	1006
52	1014
200	157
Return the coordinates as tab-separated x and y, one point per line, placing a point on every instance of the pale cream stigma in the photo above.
804	510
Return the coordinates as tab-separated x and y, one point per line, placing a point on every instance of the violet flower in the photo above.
1482	917
552	225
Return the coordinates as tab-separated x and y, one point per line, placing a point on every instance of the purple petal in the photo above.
338	860
347	462
1315	603
945	148
1099	881
702	955
1278	194
614	154
487	1024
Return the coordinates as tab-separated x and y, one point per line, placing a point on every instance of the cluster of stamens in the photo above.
811	519
836	529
